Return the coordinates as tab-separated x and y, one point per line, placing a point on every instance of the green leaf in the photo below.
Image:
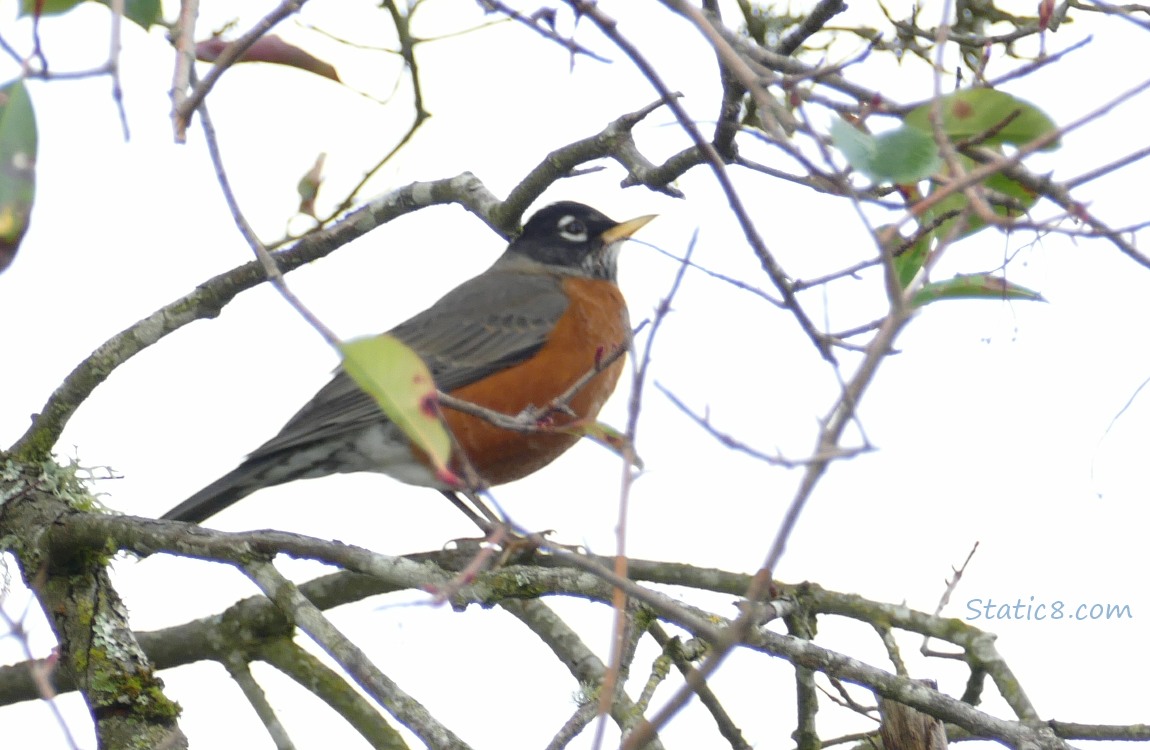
144	13
901	156
394	375
1008	198
17	167
47	7
982	113
973	286
909	261
994	118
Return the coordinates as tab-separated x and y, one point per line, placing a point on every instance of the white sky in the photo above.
991	426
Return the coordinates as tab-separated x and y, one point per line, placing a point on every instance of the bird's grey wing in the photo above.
487	324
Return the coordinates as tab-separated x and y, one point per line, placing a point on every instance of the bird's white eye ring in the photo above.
572	230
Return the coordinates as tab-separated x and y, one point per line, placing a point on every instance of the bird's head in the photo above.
574	239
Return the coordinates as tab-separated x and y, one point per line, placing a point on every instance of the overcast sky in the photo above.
993	424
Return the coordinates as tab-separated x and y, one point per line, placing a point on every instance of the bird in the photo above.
545	314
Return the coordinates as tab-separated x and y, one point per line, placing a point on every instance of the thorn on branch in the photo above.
542	22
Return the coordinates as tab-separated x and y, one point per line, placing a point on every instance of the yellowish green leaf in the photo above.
17	167
399	381
974	286
994	117
604	435
899	156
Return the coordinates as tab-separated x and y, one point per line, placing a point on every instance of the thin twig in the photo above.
731	280
583	664
814	21
1105	169
271	269
729	442
117	7
726	725
407	43
184	42
638	380
825	451
40	670
775	271
533	23
182	112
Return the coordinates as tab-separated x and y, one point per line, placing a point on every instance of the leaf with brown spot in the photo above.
961	110
992	117
399	381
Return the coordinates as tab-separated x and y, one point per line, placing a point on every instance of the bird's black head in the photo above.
574	239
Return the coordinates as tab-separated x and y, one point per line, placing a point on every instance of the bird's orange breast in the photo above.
594	324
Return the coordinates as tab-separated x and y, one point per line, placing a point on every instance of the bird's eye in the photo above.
572	230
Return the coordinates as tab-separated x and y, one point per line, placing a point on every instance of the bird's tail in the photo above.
228	489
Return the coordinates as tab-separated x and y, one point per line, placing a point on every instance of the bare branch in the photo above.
814	21
209	298
182	110
379	686
775	271
584	665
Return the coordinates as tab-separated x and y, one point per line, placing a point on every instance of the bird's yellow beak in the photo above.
625	229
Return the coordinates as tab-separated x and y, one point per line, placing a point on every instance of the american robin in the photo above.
518	335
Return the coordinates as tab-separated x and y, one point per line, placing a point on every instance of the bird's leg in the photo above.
489	519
